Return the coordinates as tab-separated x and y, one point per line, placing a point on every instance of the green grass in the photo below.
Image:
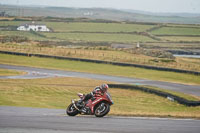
12	23
182	95
96	27
100	69
184	25
64	28
58	92
84	27
6	72
180	38
27	34
176	31
99	37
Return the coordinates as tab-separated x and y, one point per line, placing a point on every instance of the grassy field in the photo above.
97	27
62	28
86	26
99	37
176	31
100	68
29	35
180	38
109	54
11	23
6	18
182	95
57	93
61	31
184	25
85	34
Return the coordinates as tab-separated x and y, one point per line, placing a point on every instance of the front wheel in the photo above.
102	109
71	110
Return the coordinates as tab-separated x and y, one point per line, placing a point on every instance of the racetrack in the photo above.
23	120
43	73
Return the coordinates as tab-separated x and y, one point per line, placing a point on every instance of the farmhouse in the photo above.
33	26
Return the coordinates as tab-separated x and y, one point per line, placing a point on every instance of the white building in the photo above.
33	26
88	13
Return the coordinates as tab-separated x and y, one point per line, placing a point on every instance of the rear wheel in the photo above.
71	110
102	109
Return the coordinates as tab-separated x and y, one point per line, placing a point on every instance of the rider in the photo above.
99	90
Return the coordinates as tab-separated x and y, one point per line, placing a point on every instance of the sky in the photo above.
167	6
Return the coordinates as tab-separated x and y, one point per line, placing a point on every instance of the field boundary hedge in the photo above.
103	62
169	96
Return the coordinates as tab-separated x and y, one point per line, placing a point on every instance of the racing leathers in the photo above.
96	92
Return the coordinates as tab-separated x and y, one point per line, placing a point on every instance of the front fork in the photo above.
74	104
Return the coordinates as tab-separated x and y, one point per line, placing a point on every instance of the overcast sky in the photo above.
189	6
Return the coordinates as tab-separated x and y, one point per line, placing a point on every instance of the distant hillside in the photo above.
101	13
164	14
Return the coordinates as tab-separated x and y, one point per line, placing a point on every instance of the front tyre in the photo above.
71	110
102	109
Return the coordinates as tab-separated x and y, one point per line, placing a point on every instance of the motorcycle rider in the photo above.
99	90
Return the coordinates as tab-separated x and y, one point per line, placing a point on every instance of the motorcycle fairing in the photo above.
91	104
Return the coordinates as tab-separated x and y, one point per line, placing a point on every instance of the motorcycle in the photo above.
97	105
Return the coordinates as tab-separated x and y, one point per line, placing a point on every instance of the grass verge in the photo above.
100	69
57	93
5	72
182	95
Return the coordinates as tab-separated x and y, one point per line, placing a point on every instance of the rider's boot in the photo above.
84	110
80	103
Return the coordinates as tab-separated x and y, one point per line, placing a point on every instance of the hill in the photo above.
101	13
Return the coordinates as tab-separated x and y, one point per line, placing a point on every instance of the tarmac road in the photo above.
43	73
37	120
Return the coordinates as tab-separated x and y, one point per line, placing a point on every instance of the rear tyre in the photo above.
71	110
102	110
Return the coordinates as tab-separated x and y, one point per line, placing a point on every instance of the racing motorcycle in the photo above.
97	105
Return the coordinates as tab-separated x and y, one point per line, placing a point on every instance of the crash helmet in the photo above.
104	87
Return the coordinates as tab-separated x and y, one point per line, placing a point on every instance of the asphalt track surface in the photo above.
37	120
44	73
